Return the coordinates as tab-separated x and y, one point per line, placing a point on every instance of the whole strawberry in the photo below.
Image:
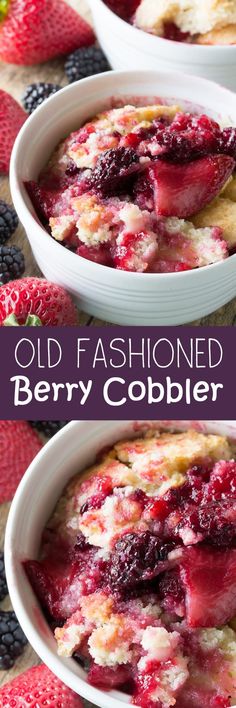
19	444
35	302
36	688
33	31
12	118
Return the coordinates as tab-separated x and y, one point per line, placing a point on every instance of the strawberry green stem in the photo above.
31	321
4	7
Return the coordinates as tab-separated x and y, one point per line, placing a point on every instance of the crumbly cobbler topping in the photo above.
137	570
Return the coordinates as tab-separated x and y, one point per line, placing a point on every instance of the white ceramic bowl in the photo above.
70	451
114	295
131	48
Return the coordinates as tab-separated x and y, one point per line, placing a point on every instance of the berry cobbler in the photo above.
209	22
137	570
143	189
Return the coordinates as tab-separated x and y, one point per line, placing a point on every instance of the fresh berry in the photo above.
113	168
214	521
208	577
124	8
136	557
12	263
182	190
43	198
172	32
85	61
35	32
98	254
36	301
8	221
19	444
108	677
12	640
12	118
38	687
3	582
35	94
48	427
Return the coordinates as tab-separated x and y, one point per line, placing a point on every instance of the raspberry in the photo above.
12	639
228	141
84	62
113	168
35	94
12	263
8	221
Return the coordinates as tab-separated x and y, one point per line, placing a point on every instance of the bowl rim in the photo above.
61	668
20	197
193	48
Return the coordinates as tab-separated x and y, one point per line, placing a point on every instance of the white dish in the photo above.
73	448
131	48
115	295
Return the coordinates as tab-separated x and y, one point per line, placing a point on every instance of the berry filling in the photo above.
124	190
137	571
180	21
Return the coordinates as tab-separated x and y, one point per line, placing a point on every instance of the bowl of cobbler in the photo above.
195	36
125	183
122	569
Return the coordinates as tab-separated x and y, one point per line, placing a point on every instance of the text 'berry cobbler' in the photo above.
137	570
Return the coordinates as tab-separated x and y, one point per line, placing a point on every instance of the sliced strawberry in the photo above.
97	254
107	677
12	118
209	580
198	697
182	190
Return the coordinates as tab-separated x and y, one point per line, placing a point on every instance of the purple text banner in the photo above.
117	372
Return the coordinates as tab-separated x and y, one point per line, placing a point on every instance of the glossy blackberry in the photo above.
48	427
113	168
3	582
8	221
12	263
12	640
35	94
86	61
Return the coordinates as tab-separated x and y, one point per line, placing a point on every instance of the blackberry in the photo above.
12	263
35	94
12	639
3	582
136	557
48	427
86	61
113	168
8	221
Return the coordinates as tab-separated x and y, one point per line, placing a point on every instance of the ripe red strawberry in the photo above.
209	579
182	190
33	32
12	118
19	444
36	301
38	687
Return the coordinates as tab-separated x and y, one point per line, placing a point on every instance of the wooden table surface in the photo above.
14	79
